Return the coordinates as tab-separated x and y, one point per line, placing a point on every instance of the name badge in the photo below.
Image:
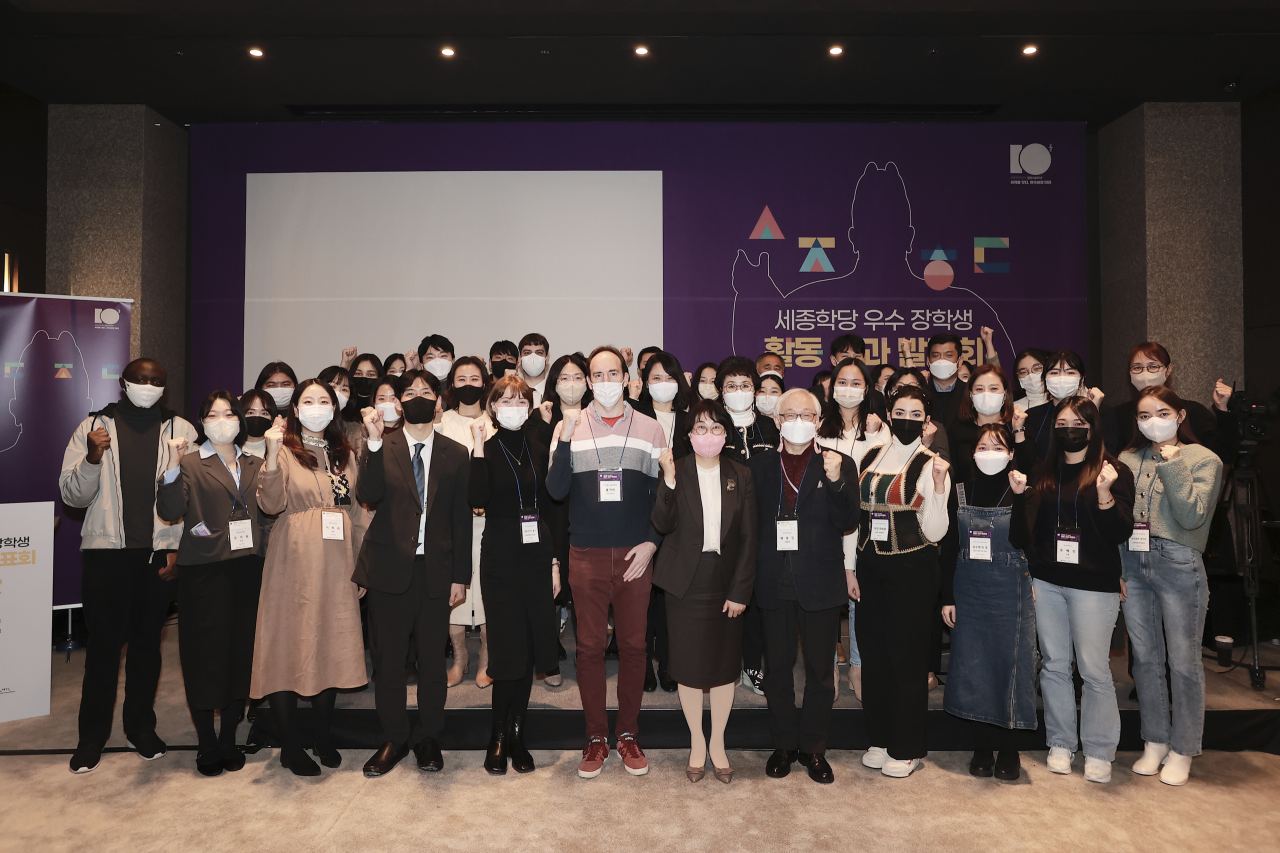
1068	547
331	525
788	535
241	534
610	486
529	528
1140	539
980	545
879	527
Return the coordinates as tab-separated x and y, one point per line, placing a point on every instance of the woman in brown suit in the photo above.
706	509
219	572
308	640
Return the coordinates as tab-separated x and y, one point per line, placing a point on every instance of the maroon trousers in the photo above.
595	574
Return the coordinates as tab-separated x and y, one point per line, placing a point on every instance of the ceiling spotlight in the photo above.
448	52
641	50
1030	50
835	50
256	52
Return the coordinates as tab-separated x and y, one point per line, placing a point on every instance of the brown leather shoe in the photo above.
722	775
695	774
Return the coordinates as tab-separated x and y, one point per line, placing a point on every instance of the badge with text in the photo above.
331	524
610	486
1140	539
240	533
879	526
1068	547
529	528
980	545
788	535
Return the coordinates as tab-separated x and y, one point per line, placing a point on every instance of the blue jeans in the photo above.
1164	612
1075	620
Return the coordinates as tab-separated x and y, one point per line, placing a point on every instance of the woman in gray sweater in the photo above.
1167	595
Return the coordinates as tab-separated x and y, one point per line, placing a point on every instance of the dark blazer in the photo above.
825	511
205	492
386	483
677	515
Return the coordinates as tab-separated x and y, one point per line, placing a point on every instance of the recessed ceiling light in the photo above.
448	52
256	52
1030	50
835	50
641	50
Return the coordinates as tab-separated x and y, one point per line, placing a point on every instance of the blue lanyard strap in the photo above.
524	451
623	452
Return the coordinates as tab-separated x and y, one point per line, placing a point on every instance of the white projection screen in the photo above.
377	260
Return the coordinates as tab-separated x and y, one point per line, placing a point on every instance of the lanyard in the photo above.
787	480
1151	490
622	453
516	473
1075	509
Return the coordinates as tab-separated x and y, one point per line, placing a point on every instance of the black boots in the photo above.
521	760
506	743
495	756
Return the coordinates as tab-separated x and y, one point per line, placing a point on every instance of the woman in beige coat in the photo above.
308	641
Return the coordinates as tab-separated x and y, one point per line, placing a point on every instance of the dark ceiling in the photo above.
752	58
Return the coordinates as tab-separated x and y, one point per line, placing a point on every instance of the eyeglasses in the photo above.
744	386
792	417
703	429
1024	372
1137	369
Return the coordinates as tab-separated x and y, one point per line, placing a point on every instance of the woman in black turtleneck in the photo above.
517	577
987	603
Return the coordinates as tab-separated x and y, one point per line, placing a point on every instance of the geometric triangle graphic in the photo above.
816	260
766	227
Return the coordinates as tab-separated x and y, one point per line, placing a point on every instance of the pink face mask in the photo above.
707	446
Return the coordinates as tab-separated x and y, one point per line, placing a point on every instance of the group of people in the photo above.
713	522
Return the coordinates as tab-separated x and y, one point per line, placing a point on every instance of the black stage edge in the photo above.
664	728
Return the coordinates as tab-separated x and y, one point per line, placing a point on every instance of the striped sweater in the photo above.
629	448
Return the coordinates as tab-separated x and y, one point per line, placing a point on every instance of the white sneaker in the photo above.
1059	760
1153	755
901	769
1097	770
1177	769
875	757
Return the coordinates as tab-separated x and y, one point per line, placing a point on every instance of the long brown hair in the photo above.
1095	455
335	435
965	410
1165	395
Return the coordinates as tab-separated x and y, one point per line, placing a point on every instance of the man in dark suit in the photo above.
415	563
807	500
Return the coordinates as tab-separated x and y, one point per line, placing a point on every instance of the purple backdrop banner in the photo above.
62	360
775	236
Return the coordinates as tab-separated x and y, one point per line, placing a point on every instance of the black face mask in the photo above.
362	387
256	425
418	410
906	431
468	395
1071	439
500	368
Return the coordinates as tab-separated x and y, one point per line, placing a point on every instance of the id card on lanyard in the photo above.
980	545
788	534
1068	546
879	526
331	526
529	528
610	486
240	529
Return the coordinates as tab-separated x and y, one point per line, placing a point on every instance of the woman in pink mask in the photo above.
706	510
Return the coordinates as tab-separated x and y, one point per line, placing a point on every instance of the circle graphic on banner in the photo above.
110	316
939	275
1035	159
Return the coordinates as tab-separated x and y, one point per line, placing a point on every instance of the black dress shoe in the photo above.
819	770
779	763
295	758
232	759
385	759
209	763
1008	767
430	759
495	756
329	756
650	680
982	763
668	683
521	760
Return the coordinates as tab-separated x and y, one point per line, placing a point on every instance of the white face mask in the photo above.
533	364
607	394
766	404
511	417
315	417
1149	380
988	402
1032	383
943	368
221	431
991	462
1158	429
798	431
438	367
571	393
1062	387
708	390
390	414
739	401
663	392
848	396
342	396
282	396
142	396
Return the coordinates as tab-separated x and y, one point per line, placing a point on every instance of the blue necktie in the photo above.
420	474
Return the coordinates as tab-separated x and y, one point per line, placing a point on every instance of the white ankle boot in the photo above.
1097	770
1177	769
875	757
1153	755
1059	760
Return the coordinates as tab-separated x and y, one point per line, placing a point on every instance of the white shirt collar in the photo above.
207	449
